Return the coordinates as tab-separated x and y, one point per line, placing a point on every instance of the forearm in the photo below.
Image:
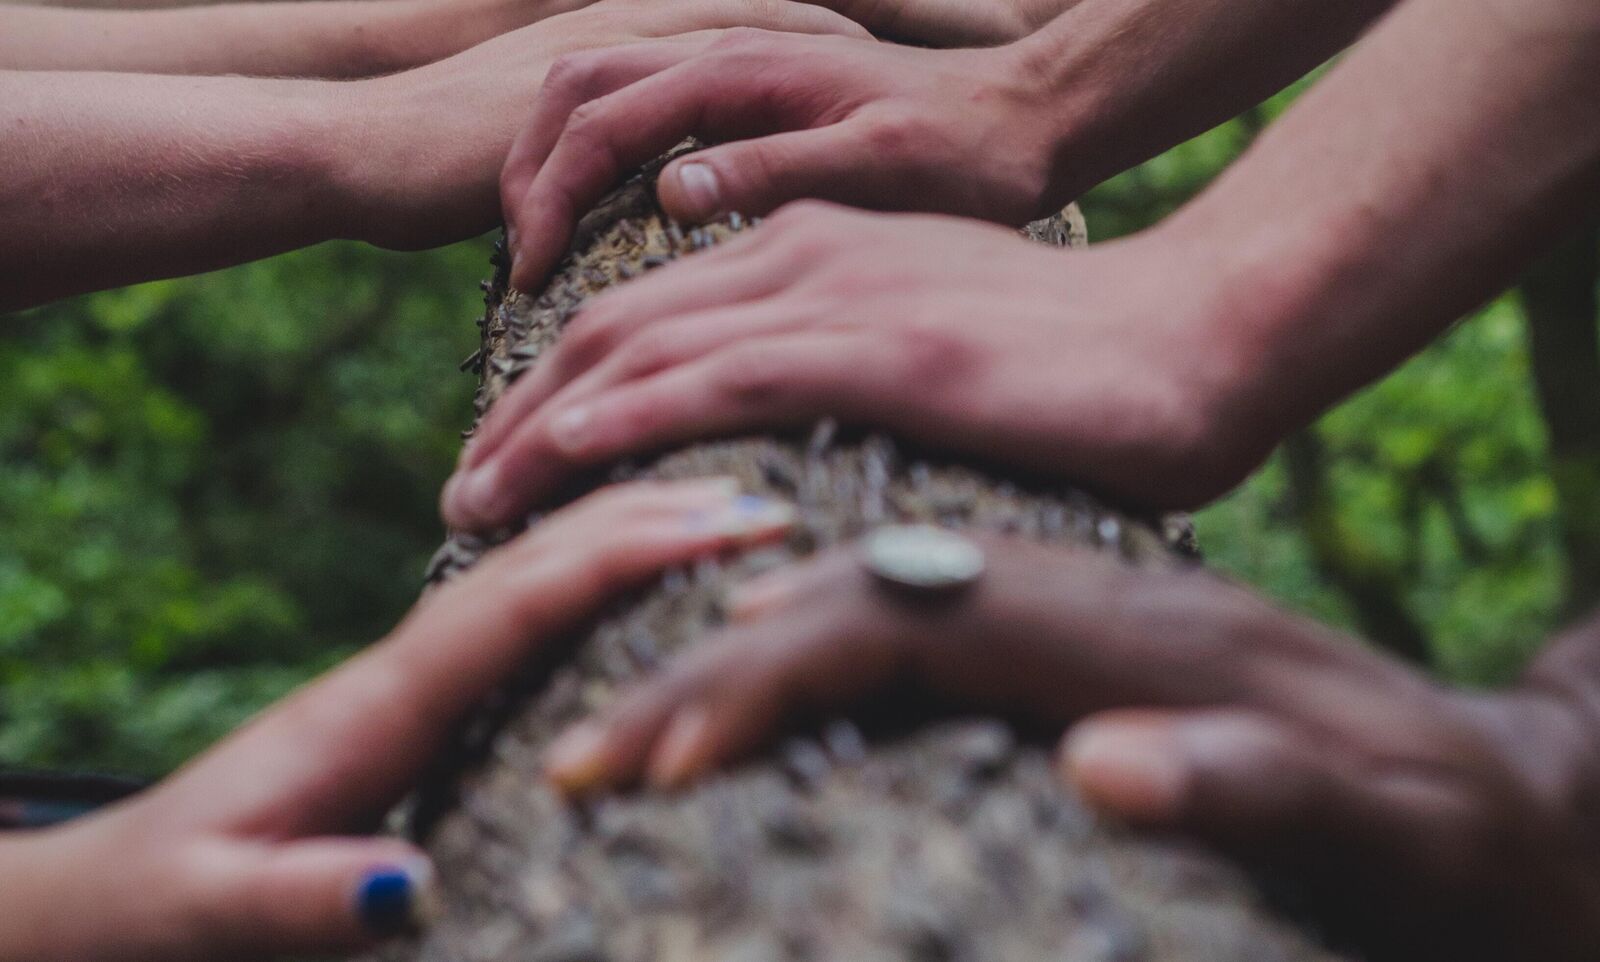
33	926
112	179
1131	78
316	38
1410	185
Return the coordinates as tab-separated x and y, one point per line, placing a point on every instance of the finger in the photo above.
521	467
723	276
1258	785
317	895
573	80
771	382
374	721
783	17
726	697
837	163
606	137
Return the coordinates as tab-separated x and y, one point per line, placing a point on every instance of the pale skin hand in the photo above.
1192	706
362	38
942	330
1177	358
316	38
117	178
1004	134
251	850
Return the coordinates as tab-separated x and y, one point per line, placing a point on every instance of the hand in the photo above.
244	852
1112	366
969	132
951	23
392	199
1458	825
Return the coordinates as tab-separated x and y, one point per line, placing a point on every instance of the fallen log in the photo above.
911	840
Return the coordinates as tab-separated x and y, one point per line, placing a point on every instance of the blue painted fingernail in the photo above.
745	515
386	901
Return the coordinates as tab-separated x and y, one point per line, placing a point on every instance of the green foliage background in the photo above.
212	488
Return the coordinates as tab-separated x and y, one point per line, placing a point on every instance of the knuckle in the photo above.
931	353
902	134
571	72
587	123
648	351
752	378
743	40
588	335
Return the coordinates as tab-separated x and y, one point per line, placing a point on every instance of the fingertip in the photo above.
684	751
760	596
473	497
745	518
1133	770
692	191
399	897
577	760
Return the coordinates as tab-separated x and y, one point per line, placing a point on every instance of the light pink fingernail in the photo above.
479	492
680	753
758	597
575	761
702	188
1133	771
570	430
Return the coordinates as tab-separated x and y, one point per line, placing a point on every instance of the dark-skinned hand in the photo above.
1465	820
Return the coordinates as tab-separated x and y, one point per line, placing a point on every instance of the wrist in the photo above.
379	192
39	921
1284	303
420	32
1072	103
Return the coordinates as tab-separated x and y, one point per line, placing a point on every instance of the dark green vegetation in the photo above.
212	488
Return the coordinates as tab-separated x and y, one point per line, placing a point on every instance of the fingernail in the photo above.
575	761
758	597
1132	771
701	188
478	492
570	430
746	516
680	753
722	487
394	899
451	493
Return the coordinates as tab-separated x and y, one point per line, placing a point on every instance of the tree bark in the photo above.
918	840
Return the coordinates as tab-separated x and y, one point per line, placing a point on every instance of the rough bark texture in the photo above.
944	842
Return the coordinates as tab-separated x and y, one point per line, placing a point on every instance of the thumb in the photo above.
1235	777
316	895
758	176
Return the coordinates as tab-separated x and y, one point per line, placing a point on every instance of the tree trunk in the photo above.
924	842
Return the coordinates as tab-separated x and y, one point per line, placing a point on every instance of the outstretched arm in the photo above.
253	850
317	38
1005	134
1410	184
1192	705
116	178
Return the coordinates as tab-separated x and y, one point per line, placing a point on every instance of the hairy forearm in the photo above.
1410	185
1131	78
114	178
